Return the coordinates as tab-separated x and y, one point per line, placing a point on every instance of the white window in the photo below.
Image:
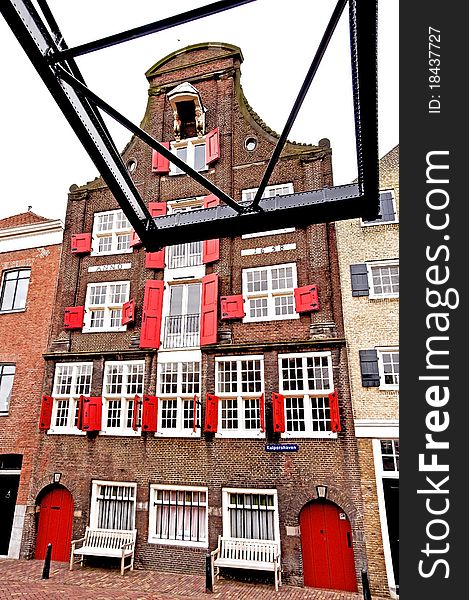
113	505
388	367
111	233
103	306
71	381
192	152
390	457
306	382
269	293
239	386
14	290
190	253
7	375
281	189
178	515
250	514
383	278
182	321
122	382
178	394
387	209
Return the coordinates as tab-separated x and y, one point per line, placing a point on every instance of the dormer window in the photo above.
188	112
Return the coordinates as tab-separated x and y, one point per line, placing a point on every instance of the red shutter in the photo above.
208	311
91	413
212	146
278	409
334	411
73	318
81	243
211	248
306	299
160	164
134	239
262	412
232	307
194	424
46	412
155	260
128	312
211	414
135	413
151	316
150	413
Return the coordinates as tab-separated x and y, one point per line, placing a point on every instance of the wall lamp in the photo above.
321	491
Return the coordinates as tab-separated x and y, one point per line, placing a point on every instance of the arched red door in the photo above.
326	542
55	524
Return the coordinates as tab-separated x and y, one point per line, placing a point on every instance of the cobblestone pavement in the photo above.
20	579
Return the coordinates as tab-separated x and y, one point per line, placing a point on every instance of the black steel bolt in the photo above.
46	568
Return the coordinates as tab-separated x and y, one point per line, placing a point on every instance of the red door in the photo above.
55	524
326	541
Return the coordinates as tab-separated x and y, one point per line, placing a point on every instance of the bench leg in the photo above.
276	579
132	562
122	565
71	559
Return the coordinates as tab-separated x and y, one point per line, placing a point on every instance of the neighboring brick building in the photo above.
369	270
164	405
30	248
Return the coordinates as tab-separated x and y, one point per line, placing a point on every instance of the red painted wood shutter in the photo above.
150	413
306	299
208	311
81	243
151	316
278	409
232	307
210	248
194	422
135	413
91	413
128	312
262	412
134	239
212	146
73	317
334	411
159	163
46	412
211	414
155	260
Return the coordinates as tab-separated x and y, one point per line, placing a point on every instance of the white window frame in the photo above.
197	268
270	294
73	398
3	286
380	264
179	358
190	144
278	189
377	223
382	384
226	510
106	306
125	398
152	515
167	306
380	475
94	499
306	393
239	397
7	398
113	233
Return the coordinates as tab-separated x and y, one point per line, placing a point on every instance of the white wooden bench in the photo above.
240	553
112	543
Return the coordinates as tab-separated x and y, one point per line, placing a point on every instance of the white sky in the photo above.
40	156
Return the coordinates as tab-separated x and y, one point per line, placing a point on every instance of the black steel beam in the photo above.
338	10
138	32
294	210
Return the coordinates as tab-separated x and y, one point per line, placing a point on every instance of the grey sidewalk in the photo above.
21	579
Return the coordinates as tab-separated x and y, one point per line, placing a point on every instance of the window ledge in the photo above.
266	319
65	431
12	310
179	543
177	434
229	435
312	436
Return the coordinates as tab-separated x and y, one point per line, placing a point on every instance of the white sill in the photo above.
389	388
239	434
309	435
178	433
103	330
173	174
4	413
12	310
373	223
382	296
65	431
112	252
187	544
271	318
120	432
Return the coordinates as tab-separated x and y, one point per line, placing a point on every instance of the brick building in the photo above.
173	378
369	269
30	248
